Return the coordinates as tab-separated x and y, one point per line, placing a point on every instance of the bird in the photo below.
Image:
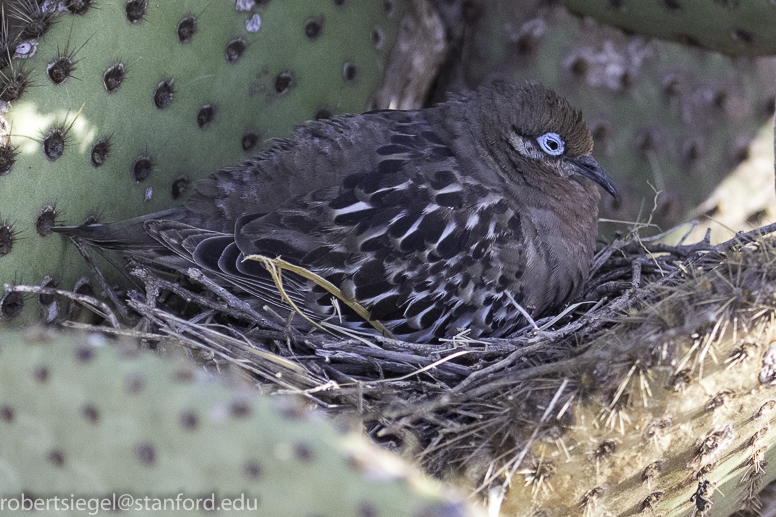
464	217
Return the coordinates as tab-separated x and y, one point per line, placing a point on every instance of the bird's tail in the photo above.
128	235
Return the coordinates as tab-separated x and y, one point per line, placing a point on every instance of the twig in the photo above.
483	374
93	304
105	288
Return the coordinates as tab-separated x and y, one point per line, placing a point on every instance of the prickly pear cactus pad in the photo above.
671	412
113	108
80	416
665	117
743	200
733	27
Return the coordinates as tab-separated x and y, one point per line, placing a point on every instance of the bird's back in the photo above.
318	155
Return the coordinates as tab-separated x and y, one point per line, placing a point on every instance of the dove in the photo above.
462	217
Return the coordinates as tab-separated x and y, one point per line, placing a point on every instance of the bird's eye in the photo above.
551	143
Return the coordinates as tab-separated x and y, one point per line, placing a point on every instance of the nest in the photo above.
465	407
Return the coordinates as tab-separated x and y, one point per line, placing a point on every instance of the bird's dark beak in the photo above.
590	168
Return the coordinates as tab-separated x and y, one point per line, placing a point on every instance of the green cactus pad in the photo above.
664	117
81	418
733	27
115	111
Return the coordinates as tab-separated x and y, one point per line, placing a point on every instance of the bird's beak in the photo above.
587	166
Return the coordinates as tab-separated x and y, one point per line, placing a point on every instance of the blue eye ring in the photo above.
551	143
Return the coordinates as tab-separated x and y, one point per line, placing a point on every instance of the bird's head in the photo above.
533	128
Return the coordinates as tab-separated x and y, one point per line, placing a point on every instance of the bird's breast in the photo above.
558	250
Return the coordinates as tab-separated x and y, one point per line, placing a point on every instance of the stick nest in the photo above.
465	407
